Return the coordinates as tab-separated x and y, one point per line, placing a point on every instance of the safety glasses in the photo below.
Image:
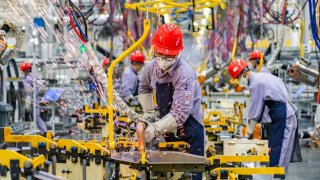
163	57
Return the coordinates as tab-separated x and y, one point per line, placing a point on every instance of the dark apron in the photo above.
191	131
136	91
278	115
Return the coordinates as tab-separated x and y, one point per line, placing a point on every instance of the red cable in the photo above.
74	27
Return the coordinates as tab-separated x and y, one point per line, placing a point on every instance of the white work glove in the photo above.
146	102
250	129
28	103
165	125
132	101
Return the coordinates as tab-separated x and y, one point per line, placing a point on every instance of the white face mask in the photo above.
244	81
165	63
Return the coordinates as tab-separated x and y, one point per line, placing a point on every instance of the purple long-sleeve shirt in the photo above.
30	84
265	86
187	92
129	82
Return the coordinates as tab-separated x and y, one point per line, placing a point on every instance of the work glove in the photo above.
146	102
132	101
28	104
250	129
165	125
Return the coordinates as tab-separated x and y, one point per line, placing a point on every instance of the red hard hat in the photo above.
25	66
137	57
168	40
256	54
105	62
236	67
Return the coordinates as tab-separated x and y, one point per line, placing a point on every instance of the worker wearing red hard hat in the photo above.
255	58
30	85
129	81
267	89
177	90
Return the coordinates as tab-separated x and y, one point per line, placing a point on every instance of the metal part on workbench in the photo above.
164	161
69	145
96	109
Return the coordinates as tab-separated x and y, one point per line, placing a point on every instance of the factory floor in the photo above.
309	169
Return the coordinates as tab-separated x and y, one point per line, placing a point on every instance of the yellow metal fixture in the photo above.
8	155
96	110
67	144
34	140
166	6
173	145
93	147
235	159
232	172
110	76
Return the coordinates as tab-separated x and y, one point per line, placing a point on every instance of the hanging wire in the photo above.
74	16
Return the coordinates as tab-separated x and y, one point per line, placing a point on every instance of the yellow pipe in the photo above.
140	47
164	2
146	25
150	53
261	63
301	38
167	5
234	49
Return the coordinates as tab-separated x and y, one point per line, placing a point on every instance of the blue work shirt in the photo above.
129	82
263	87
187	91
30	84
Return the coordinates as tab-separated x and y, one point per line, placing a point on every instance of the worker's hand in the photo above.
250	129
149	116
165	125
28	103
150	133
132	101
246	92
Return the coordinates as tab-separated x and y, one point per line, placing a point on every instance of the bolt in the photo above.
52	146
27	164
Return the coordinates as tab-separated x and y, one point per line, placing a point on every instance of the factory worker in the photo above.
30	84
255	61
267	89
129	81
177	91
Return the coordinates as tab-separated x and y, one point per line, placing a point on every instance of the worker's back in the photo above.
270	87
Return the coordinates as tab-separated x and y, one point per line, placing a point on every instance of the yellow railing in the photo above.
146	25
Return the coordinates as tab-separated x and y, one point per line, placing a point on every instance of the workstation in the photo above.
159	89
